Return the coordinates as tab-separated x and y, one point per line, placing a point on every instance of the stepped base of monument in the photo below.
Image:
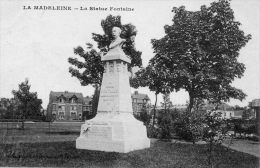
112	146
113	134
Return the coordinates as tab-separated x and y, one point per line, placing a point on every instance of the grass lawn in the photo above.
161	154
39	132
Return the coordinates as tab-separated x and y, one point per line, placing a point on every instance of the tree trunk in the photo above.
95	101
22	127
165	107
154	109
210	152
191	102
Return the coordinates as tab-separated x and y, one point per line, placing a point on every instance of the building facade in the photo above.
140	101
255	106
65	105
87	107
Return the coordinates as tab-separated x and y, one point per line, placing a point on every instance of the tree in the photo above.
165	124
200	51
214	131
153	78
91	70
29	106
166	104
143	116
94	102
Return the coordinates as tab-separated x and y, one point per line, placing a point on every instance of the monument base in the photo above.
113	133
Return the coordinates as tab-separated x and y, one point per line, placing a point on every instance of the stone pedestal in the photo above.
114	129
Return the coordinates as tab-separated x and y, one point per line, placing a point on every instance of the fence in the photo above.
11	131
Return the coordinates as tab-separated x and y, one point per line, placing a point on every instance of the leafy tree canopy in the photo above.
92	68
151	77
29	106
200	50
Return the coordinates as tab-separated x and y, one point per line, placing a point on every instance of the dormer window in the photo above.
61	100
73	100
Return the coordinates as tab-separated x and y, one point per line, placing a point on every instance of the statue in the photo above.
118	41
114	128
116	45
115	48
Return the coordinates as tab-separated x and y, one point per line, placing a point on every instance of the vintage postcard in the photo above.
108	83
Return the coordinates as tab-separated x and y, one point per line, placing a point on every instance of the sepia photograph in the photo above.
127	84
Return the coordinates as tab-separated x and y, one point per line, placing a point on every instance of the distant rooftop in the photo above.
66	94
87	100
254	103
137	95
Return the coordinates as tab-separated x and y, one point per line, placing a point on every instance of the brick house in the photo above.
140	101
65	105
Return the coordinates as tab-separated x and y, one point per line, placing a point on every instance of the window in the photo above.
73	115
54	107
61	100
54	116
73	100
61	116
73	108
62	108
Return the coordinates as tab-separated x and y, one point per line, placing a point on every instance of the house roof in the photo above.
238	112
179	106
222	106
139	96
87	100
255	103
66	94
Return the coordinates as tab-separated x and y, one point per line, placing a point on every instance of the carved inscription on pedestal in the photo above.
109	96
99	133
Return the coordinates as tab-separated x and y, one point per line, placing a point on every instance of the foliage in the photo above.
152	78
94	102
165	125
143	116
8	111
28	104
92	67
214	127
214	131
166	104
244	126
199	52
189	126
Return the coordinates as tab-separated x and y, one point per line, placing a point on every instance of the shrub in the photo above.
189	126
152	132
165	123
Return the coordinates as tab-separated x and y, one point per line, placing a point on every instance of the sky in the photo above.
36	44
